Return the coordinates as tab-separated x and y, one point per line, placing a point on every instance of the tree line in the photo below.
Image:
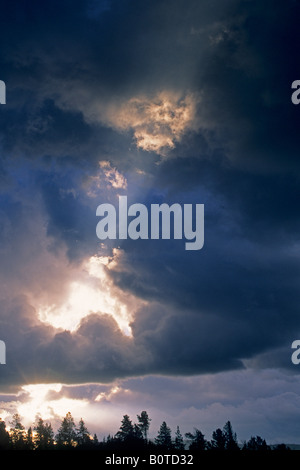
130	436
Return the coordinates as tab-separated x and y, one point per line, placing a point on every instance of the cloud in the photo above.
38	352
158	122
232	306
96	97
162	73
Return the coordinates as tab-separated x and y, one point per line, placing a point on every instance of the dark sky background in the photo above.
162	101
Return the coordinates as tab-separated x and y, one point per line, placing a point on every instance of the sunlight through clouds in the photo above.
94	293
40	403
158	122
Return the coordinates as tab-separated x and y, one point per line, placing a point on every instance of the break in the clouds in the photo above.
249	398
161	101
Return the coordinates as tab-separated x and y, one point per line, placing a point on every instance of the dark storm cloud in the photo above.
72	69
70	219
238	55
209	311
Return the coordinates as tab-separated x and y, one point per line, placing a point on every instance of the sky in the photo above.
162	101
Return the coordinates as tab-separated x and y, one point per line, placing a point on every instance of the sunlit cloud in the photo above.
113	176
108	396
93	292
107	177
158	122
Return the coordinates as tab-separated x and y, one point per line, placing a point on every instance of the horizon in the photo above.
151	436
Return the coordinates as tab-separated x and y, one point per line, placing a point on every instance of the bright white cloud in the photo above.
92	292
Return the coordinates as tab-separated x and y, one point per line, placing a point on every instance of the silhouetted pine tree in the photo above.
218	441
230	437
198	442
178	442
66	435
129	436
4	436
17	433
144	423
44	435
256	443
126	430
137	432
164	438
29	444
83	437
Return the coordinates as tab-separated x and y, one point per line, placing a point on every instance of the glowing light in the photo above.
40	402
93	293
113	392
109	395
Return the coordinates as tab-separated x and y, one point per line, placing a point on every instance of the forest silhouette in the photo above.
131	437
